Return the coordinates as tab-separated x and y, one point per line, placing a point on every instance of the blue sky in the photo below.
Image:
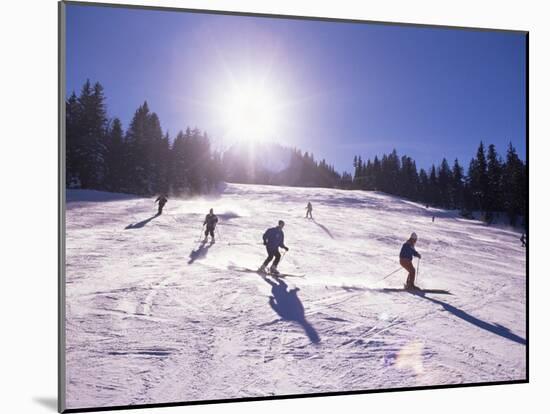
341	88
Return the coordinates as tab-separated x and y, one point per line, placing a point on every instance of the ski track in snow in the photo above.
153	316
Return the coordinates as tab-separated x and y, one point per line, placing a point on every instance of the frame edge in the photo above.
61	54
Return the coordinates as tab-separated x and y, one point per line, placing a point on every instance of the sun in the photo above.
250	112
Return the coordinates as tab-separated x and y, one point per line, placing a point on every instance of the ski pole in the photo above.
217	231
395	271
200	235
418	269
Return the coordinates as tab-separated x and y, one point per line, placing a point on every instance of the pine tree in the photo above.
393	165
358	175
73	137
369	176
115	158
377	173
88	148
197	155
444	184
179	179
408	180
346	181
457	186
141	161
433	188
472	195
481	189
156	149
424	186
478	180
139	158
515	189
164	165
494	183
215	171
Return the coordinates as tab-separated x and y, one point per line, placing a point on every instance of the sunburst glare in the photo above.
250	112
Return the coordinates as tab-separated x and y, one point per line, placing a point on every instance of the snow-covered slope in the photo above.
152	317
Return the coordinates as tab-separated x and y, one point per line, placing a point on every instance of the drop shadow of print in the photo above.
48	402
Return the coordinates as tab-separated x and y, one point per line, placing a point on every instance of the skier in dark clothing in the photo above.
273	239
309	209
523	240
405	260
210	222
162	200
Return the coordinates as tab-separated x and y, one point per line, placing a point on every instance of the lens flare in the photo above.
410	357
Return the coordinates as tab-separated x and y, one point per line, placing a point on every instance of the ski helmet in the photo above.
281	223
211	211
413	236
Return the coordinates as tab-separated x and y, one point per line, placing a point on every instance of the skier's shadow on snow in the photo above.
494	328
199	253
289	307
141	223
327	231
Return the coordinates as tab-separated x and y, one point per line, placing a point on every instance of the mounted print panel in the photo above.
258	207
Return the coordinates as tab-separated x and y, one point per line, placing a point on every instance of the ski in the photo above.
265	273
418	291
246	270
283	275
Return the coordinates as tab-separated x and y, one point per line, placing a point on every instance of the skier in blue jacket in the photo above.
405	260
273	239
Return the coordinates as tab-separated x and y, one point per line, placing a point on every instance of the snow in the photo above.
154	317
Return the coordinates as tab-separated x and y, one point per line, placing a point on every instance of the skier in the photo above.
433	219
523	240
309	209
405	260
210	222
273	239
162	200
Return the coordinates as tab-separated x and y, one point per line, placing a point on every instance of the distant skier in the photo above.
405	260
162	200
523	240
433	219
273	239
309	209
210	222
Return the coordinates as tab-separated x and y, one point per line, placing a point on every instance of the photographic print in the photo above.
260	206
